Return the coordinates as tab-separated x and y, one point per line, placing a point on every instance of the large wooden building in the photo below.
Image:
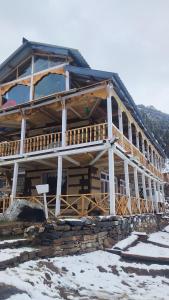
78	130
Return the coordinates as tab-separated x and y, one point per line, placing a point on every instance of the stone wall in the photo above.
65	237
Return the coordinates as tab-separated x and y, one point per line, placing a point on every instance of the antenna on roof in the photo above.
24	40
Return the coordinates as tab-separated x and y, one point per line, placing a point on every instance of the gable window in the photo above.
22	70
16	95
50	84
44	62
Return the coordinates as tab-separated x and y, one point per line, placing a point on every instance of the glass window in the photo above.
40	63
49	84
10	77
54	61
25	68
16	95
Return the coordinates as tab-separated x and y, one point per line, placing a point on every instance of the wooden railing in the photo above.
87	134
9	148
4	204
42	142
76	136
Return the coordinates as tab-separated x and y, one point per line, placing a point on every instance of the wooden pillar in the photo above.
151	193
144	189
120	117
67	81
112	197
14	182
23	132
162	189
31	83
59	186
155	196
64	123
109	115
126	174
137	140
130	132
137	188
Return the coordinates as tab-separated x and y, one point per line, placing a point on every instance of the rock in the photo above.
24	210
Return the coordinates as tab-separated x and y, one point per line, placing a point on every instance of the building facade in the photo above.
78	130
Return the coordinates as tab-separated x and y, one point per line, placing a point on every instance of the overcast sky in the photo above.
130	37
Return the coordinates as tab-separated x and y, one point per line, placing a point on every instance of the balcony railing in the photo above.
80	205
76	136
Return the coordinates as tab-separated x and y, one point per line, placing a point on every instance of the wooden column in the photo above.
23	132
109	114
137	140
112	197
67	81
64	123
155	196
130	132
59	186
162	189
31	83
14	182
120	117
144	189
126	174
150	192
136	187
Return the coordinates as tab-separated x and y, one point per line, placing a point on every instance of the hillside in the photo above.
158	124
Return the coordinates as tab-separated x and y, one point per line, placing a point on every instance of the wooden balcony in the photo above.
76	136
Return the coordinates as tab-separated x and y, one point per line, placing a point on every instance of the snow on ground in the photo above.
122	245
11	241
6	254
160	238
166	228
99	275
144	249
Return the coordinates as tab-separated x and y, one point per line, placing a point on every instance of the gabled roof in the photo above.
122	93
29	47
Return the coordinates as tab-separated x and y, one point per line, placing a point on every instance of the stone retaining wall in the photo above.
65	237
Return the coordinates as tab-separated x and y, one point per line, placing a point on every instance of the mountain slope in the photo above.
158	123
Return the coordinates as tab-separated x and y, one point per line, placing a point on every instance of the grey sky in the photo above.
130	37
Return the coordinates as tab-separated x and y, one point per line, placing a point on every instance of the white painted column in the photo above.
136	187
130	132
155	196
126	174
31	83
150	192
67	81
14	182
59	186
158	189
109	115
162	188
112	197
23	132
120	117
64	124
144	189
143	147
137	140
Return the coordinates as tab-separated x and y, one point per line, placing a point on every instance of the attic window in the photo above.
50	84
16	95
25	69
44	62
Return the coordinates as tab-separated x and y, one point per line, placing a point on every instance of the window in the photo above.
25	69
50	84
16	95
45	62
104	182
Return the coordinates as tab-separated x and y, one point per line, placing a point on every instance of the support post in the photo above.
31	84
130	132
67	81
137	188
64	123
23	132
14	182
59	186
120	117
126	174
144	189
109	116
150	193
155	196
112	197
137	140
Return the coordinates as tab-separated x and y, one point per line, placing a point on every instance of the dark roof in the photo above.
29	47
122	93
